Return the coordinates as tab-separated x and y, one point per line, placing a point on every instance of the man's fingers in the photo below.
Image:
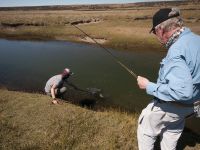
138	78
54	102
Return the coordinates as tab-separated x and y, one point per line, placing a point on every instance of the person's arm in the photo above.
74	86
53	94
175	83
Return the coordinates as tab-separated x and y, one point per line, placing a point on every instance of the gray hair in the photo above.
171	23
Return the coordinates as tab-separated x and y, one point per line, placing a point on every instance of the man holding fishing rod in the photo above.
177	90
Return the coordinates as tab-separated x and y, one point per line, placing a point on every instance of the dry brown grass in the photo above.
30	121
118	27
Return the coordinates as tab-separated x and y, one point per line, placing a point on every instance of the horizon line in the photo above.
153	1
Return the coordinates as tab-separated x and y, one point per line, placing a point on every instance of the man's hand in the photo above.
54	101
142	82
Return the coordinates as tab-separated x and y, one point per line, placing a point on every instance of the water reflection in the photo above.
26	65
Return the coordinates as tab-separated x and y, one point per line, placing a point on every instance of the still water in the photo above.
27	65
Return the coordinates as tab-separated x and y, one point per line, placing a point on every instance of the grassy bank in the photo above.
29	121
119	28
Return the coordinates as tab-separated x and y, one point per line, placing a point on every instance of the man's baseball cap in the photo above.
163	15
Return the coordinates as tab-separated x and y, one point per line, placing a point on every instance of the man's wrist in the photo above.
151	87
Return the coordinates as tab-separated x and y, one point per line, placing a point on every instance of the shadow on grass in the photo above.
86	99
187	139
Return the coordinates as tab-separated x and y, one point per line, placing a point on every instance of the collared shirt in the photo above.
179	74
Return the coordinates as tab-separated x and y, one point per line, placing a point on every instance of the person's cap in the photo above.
66	72
163	15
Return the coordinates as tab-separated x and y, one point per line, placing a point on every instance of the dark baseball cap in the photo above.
163	15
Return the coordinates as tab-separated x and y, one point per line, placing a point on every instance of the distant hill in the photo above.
102	6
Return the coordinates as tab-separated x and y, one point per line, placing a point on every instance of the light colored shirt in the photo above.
55	80
179	74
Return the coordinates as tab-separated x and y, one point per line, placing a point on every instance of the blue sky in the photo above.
10	3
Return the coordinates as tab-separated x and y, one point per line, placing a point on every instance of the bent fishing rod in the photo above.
108	51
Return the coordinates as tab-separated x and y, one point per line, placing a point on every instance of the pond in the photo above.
27	65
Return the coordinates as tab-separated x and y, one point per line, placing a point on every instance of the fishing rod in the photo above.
113	56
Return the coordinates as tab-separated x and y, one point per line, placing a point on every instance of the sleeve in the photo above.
176	83
56	83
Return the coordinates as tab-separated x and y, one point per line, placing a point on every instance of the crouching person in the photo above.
55	85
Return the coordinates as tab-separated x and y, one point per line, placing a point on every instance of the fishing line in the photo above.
113	56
